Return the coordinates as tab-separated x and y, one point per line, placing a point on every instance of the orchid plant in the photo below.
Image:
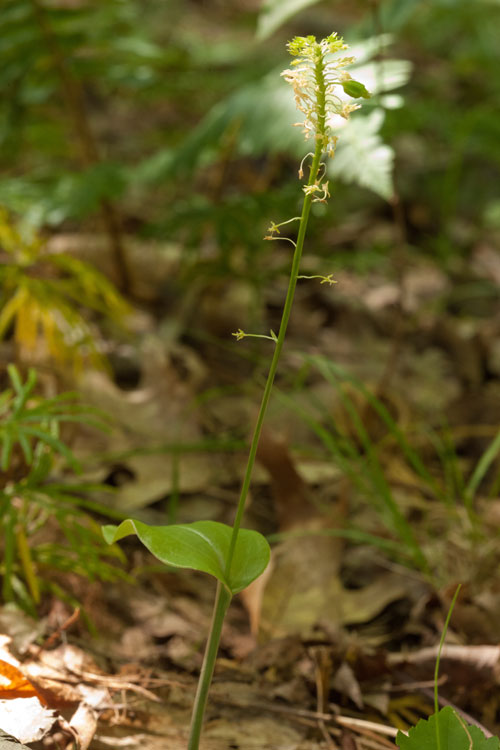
232	555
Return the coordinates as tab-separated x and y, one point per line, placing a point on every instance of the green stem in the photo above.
223	597
222	602
438	659
287	309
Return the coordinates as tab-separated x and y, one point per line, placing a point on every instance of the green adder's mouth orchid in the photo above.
234	556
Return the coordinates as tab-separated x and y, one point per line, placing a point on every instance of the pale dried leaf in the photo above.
84	724
25	718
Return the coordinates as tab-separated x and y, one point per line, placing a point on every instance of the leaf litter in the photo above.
340	655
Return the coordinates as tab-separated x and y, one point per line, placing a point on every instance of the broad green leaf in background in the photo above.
364	158
380	76
202	546
276	12
454	734
78	195
262	112
394	14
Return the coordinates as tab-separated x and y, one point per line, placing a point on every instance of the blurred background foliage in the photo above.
176	111
167	125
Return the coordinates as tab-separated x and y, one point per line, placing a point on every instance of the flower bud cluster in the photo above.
314	78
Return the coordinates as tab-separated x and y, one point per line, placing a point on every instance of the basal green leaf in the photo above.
454	734
202	546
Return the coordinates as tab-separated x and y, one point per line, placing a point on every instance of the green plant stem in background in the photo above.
27	564
438	659
173	501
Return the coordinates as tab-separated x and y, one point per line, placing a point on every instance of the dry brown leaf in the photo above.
304	587
253	595
84	725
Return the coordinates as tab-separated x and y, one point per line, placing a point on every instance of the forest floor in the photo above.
337	647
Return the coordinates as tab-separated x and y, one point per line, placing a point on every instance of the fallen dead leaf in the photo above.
304	587
84	724
23	712
13	684
26	718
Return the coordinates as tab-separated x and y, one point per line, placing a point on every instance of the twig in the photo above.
363	724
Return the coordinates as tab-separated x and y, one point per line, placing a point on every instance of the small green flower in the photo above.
239	334
323	279
319	190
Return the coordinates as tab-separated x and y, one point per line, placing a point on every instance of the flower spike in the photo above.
314	78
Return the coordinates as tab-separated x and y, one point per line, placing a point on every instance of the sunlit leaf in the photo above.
276	12
27	324
362	157
10	310
264	112
15	685
46	305
381	76
15	378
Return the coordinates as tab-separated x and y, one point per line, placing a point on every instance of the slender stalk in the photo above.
438	659
323	142
287	309
222	602
223	597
